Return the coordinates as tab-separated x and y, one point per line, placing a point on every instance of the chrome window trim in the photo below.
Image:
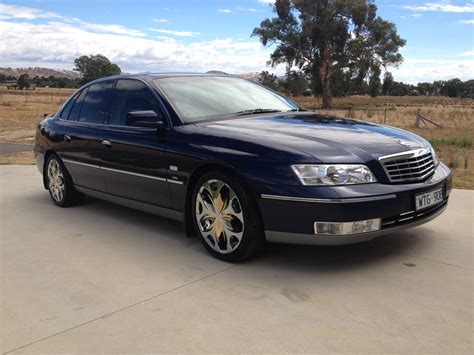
328	200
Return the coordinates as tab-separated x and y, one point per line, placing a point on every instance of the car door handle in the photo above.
106	143
67	138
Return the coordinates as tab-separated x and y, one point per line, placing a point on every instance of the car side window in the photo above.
131	95
67	109
76	108
95	104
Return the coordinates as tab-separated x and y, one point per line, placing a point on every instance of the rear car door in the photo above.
135	165
82	135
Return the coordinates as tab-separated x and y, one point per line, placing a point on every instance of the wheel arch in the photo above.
197	173
47	154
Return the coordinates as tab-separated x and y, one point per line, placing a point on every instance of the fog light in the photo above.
342	228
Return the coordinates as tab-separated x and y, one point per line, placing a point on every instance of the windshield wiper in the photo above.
256	111
297	110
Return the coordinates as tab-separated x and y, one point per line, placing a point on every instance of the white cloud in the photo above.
443	6
30	44
467	54
266	1
467	22
415	70
175	33
412	16
115	29
22	12
225	11
161	20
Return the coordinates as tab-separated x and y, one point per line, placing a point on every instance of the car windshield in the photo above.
199	98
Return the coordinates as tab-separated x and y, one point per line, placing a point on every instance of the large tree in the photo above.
95	66
323	37
23	81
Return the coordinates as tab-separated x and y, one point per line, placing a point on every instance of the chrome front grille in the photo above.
411	166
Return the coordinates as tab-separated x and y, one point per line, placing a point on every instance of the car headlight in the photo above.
333	174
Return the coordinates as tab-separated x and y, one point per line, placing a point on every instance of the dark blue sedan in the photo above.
238	163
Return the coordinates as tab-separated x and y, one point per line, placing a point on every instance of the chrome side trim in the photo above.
328	200
158	178
134	174
79	163
177	182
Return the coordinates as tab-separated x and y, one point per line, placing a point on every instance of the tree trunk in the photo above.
325	85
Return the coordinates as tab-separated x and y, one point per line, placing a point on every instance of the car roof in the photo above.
154	75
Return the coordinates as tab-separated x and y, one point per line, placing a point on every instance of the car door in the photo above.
81	147
134	158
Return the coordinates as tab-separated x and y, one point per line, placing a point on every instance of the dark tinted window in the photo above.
130	95
95	103
67	108
74	114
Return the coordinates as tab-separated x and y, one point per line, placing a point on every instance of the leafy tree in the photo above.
294	83
23	81
269	80
452	88
95	66
324	36
374	83
387	83
426	89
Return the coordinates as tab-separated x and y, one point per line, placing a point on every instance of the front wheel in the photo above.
226	218
59	182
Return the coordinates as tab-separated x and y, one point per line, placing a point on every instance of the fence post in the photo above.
385	116
350	112
418	118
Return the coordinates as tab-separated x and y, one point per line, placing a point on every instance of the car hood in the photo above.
329	139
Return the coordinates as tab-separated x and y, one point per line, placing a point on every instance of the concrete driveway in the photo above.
100	278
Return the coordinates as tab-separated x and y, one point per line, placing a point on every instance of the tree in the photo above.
294	83
95	66
374	83
269	80
23	81
387	83
324	36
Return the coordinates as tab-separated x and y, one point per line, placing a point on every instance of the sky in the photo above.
197	36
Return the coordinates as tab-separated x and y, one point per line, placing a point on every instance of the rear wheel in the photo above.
226	219
59	182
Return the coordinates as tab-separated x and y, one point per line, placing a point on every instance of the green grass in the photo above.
459	141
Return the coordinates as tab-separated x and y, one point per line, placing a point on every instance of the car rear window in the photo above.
95	103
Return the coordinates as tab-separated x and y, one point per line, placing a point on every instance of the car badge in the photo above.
403	142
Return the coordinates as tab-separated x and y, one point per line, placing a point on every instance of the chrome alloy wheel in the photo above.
219	216
56	180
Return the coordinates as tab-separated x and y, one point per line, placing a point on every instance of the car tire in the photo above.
226	218
59	183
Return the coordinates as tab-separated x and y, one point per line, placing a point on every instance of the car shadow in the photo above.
301	258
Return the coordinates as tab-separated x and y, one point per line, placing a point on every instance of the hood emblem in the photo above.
403	142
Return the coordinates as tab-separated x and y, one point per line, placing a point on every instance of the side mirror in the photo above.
147	119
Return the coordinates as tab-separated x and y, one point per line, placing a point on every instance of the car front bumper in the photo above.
289	212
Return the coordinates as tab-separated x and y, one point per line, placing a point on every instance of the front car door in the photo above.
134	160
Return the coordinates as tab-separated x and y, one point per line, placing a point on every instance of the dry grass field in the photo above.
20	111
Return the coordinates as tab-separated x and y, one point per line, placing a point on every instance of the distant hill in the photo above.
37	71
32	72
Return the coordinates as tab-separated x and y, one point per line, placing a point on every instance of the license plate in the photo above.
428	199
